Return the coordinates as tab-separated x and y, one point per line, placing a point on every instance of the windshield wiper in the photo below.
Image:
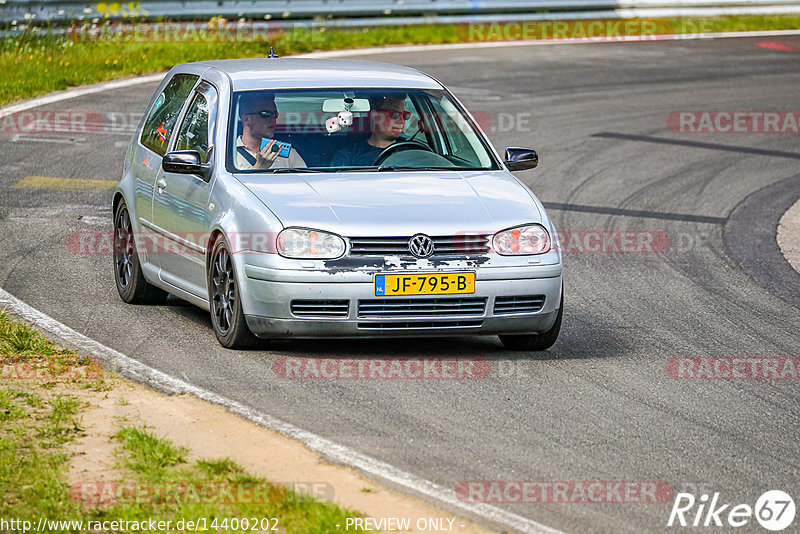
357	169
294	169
385	168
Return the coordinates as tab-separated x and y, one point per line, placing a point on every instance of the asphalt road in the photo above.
599	405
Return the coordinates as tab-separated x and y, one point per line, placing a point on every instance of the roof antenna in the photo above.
272	53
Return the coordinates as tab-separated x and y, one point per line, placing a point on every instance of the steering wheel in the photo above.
403	145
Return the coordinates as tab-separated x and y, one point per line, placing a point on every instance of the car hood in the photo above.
397	203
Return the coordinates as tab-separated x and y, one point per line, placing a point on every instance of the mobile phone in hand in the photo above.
285	148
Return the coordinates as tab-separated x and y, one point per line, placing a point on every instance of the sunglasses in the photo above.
395	115
266	114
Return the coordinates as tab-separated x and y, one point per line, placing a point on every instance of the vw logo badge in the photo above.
421	246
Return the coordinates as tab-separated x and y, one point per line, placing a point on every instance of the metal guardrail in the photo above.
370	12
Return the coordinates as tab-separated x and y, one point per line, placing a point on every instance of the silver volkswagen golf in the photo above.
330	198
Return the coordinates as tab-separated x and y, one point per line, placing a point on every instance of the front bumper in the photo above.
267	297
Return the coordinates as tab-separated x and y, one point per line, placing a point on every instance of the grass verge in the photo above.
42	393
39	62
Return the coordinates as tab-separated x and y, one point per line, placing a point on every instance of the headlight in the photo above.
300	243
529	239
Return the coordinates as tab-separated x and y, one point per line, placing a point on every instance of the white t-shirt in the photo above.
293	161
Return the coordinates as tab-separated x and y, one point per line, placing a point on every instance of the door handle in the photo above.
161	185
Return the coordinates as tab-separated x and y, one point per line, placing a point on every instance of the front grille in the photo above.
421	307
419	325
522	304
320	308
398	246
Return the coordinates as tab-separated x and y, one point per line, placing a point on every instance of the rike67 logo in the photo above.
774	510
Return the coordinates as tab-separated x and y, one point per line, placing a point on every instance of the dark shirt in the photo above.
361	154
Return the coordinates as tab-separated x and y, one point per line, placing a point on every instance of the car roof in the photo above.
287	73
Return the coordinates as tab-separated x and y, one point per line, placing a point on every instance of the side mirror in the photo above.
519	159
186	162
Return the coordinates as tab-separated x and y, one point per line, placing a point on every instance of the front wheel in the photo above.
536	342
227	317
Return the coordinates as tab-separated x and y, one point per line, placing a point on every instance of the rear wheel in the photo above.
227	317
131	284
536	342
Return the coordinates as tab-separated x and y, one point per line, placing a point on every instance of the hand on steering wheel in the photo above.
400	146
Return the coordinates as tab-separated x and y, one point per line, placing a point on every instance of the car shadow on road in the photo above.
584	335
581	338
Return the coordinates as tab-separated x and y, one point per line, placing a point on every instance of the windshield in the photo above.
338	130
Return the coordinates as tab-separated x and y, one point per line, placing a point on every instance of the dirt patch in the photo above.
209	431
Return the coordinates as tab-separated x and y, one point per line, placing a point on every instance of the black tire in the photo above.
536	342
227	317
131	284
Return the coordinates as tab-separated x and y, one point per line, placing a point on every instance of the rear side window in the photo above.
161	121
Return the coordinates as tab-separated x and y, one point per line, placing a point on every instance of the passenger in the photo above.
388	118
258	114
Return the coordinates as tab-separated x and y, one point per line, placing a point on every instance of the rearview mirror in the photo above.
335	105
186	162
519	159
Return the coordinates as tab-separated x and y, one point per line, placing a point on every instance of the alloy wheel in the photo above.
223	290
124	249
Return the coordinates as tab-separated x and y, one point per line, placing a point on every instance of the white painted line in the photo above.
135	370
24	138
544	42
81	91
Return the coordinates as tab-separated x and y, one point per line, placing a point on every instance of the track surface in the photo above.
597	406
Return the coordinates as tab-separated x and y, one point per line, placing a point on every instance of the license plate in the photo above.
387	285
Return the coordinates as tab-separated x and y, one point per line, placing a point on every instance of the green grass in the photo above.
38	63
9	409
37	422
32	470
62	423
219	467
166	486
18	340
25	354
30	399
149	456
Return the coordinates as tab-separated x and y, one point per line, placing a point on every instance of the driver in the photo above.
258	114
388	118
